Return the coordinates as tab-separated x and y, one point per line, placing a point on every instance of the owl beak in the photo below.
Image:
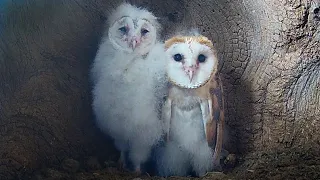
190	71
134	42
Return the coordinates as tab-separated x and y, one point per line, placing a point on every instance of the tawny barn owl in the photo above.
128	81
194	110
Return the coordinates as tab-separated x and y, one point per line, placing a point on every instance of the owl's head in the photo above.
133	29
191	60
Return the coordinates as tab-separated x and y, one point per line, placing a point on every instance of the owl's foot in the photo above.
120	165
137	170
122	162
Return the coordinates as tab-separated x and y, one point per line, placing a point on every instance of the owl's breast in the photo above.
186	103
187	126
136	72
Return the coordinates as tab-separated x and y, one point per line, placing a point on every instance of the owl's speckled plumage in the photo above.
191	107
129	83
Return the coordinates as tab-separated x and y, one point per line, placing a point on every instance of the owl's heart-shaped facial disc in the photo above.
191	61
133	29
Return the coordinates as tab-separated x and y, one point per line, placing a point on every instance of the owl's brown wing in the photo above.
215	127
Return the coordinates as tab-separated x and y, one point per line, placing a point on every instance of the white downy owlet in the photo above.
128	83
193	112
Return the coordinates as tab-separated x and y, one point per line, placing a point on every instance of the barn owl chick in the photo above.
132	31
193	111
128	81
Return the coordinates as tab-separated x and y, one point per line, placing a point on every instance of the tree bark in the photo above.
269	60
46	50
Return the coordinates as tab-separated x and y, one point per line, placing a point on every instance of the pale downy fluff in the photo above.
127	104
171	160
187	137
113	38
129	87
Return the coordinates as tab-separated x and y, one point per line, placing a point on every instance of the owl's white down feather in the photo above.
127	96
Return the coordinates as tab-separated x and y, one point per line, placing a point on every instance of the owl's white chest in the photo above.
137	72
129	91
134	82
187	128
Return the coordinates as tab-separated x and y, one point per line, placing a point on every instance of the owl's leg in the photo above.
122	161
202	160
120	145
173	161
139	153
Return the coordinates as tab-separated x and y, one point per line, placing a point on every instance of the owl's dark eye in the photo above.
202	58
123	29
144	32
177	57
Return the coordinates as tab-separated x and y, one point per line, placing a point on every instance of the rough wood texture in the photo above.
269	51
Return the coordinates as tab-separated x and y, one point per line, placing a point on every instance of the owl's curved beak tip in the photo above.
134	43
190	71
191	74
